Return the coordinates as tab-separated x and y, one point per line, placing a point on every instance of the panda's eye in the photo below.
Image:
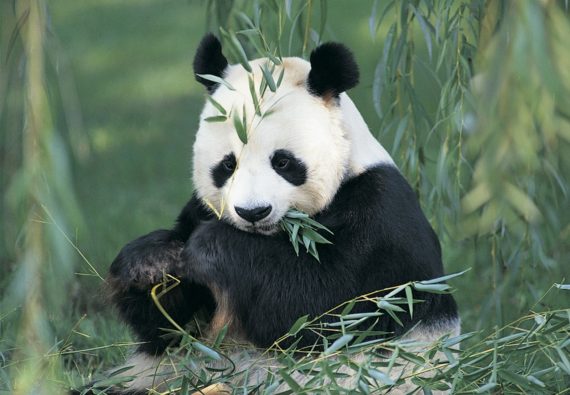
288	166
282	164
229	165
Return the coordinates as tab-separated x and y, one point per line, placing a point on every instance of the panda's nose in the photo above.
253	214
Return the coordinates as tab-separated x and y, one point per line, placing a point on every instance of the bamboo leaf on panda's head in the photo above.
280	78
216	118
216	79
217	105
237	49
240	126
254	95
268	76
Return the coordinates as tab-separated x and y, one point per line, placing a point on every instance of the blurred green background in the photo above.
465	112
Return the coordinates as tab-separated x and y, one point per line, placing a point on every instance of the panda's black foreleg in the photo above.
147	261
141	265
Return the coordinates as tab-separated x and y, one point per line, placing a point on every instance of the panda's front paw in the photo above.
201	258
144	261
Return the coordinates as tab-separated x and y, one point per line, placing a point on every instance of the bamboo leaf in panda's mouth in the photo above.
304	230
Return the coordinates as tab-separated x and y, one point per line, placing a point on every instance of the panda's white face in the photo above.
295	157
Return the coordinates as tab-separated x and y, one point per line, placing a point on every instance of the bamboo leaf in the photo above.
268	76
240	127
338	344
216	79
216	118
217	105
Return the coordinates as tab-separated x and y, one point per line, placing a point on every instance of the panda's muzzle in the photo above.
253	214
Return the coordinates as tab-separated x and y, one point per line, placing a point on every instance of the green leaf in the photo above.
254	95
216	118
384	305
206	351
380	376
295	387
433	288
394	317
338	344
268	76
425	27
410	299
216	79
445	278
217	105
240	127
239	51
298	325
314	236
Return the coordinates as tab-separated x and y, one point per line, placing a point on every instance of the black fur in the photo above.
141	264
224	170
209	60
333	70
295	170
381	239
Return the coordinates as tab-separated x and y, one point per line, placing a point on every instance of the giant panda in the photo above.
314	153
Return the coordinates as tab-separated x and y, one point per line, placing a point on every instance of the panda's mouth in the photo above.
262	228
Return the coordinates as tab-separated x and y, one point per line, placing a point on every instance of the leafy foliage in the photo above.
304	230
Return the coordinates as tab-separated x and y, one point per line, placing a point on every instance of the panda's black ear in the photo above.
209	60
333	70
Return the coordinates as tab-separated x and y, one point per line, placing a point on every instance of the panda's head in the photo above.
297	150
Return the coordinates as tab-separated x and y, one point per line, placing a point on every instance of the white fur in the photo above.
332	140
365	150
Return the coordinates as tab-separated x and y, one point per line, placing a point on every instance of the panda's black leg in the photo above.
141	265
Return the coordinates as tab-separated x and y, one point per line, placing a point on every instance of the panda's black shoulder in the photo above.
377	211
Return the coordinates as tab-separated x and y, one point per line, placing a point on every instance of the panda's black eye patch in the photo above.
289	167
224	170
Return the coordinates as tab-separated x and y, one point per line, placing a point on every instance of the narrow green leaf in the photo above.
445	278
380	376
216	118
240	127
239	51
313	235
268	76
338	344
425	27
217	105
206	351
384	305
295	387
433	288
253	94
410	299
215	78
298	325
